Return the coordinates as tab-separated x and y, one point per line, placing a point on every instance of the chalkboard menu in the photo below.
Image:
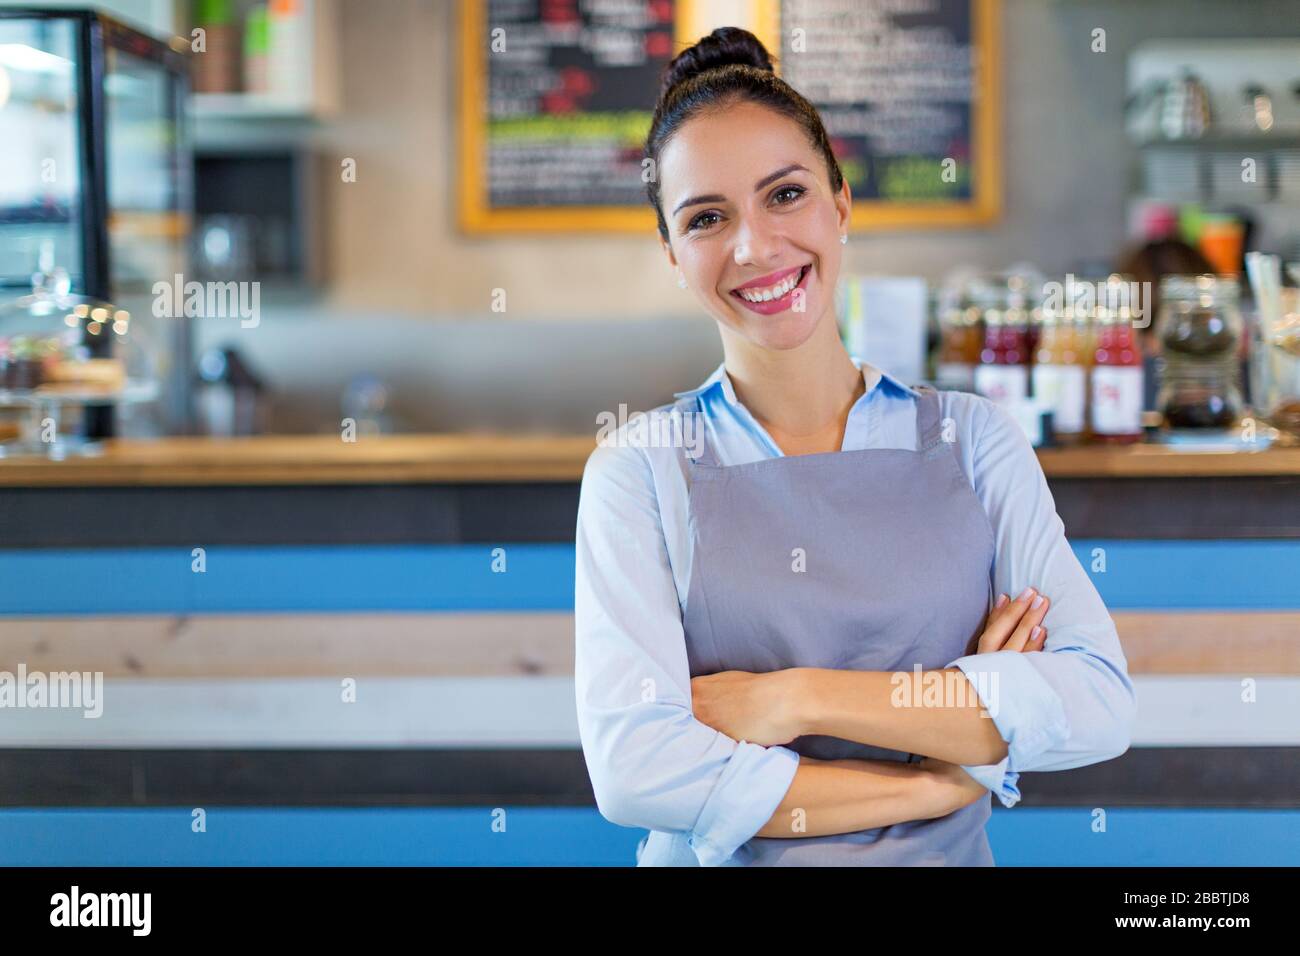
561	97
557	98
906	91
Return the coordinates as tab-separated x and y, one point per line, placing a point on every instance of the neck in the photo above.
799	392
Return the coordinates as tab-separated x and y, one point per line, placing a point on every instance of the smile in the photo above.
777	296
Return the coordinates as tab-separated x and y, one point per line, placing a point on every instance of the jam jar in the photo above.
1199	336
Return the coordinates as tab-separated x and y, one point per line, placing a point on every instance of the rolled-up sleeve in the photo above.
651	763
1072	703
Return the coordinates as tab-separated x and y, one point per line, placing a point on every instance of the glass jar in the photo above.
1202	396
1199	316
1275	364
1199	336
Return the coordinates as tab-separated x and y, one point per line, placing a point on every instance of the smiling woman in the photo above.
754	192
742	606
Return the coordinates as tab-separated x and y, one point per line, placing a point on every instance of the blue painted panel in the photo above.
579	836
381	578
1137	575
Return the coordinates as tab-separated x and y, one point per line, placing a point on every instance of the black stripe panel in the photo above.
1118	508
1158	776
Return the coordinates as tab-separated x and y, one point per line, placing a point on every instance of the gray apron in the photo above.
898	556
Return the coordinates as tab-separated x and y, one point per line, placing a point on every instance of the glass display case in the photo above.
95	179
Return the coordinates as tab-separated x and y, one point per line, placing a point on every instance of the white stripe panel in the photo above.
1203	711
524	712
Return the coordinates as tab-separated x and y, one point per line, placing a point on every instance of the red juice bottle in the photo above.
1116	380
1003	372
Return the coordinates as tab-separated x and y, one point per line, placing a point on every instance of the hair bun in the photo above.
723	47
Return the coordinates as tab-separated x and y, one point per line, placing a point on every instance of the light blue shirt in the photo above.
653	765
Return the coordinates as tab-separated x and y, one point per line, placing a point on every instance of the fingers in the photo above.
1010	623
1002	621
998	607
1029	625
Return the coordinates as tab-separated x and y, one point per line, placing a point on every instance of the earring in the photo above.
844	240
681	279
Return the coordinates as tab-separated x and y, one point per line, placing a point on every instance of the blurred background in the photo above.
308	309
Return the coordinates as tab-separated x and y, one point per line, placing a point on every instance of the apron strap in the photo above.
692	417
929	427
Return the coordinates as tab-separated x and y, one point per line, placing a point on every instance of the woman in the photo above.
755	611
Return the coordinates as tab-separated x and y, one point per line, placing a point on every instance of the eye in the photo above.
696	223
797	190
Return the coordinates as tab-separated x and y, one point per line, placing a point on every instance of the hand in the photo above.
1015	625
957	788
744	706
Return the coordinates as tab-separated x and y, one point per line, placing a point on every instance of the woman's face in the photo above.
746	197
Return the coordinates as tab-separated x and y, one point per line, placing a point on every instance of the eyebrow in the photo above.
765	181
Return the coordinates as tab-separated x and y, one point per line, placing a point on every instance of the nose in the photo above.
757	244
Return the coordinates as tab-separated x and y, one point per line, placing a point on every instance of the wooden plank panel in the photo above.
490	644
294	645
1211	642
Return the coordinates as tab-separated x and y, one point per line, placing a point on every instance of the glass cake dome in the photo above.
61	351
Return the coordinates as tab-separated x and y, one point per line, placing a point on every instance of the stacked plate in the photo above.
1287	164
1238	177
1173	174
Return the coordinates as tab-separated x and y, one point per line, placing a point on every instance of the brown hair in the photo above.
728	65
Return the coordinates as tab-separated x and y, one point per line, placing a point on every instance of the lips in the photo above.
772	278
773	306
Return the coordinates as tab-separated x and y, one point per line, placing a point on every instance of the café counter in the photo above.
225	587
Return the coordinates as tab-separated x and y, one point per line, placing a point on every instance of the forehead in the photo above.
727	151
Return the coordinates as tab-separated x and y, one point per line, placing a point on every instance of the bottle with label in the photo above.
1116	379
256	43
289	66
216	67
1060	375
962	339
1003	373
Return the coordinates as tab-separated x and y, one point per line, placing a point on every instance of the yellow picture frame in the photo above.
476	218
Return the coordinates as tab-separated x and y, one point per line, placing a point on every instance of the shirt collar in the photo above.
871	375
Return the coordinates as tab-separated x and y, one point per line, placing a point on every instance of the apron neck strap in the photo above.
691	410
929	428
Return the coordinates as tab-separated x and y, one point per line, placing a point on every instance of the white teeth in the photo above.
773	292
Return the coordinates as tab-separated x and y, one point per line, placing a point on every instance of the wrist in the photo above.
941	794
800	699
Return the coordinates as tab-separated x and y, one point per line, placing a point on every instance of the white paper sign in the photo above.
886	324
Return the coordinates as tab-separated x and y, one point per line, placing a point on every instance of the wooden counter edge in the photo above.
487	458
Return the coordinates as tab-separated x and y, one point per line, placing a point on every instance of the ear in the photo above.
844	207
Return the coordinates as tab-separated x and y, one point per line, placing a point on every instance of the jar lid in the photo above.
1206	286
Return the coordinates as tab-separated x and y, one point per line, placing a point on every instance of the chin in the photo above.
787	330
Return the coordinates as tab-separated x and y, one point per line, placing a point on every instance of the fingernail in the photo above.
1002	599
1024	595
1033	634
1037	601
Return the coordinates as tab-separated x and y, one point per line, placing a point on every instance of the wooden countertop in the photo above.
402	459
